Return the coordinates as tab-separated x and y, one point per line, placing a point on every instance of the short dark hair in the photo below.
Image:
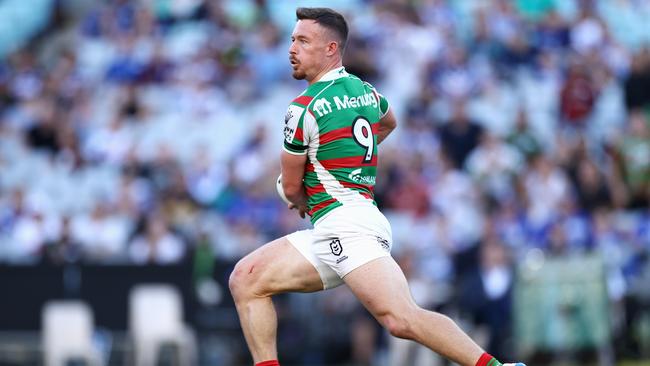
329	19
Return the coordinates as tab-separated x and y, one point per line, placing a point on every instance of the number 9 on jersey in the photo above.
362	133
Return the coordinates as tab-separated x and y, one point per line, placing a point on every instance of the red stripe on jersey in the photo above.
321	206
339	133
318	188
298	135
367	195
310	167
357	185
303	99
343	132
349	162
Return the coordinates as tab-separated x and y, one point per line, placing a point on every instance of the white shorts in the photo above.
343	240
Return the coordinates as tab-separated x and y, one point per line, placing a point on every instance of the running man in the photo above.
328	172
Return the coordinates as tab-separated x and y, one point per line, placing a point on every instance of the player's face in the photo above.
308	49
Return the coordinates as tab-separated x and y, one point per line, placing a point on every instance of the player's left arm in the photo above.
293	171
387	121
387	124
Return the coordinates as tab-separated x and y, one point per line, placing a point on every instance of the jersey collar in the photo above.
334	74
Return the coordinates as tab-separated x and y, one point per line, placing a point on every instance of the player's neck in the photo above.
329	67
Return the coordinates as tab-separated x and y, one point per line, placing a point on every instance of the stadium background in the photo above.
139	143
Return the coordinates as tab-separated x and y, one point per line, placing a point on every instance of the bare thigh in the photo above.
381	287
276	267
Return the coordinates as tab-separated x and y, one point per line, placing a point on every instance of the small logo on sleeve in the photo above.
291	120
288	117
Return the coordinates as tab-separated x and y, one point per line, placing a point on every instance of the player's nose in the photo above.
292	49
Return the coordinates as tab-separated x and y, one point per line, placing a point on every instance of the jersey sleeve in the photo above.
295	139
382	104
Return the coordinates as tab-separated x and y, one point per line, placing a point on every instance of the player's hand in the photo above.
302	209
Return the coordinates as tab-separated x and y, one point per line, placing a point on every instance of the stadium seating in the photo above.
156	320
68	334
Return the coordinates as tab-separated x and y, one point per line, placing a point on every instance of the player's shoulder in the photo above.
365	84
306	97
351	78
302	100
356	79
300	106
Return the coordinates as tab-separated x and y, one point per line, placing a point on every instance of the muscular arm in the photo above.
293	171
386	125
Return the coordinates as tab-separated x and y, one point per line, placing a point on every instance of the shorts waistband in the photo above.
343	208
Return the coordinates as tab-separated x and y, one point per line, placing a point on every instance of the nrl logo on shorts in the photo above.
336	247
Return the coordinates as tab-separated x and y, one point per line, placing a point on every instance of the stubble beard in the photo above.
298	75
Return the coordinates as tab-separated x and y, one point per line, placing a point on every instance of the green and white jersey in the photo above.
335	122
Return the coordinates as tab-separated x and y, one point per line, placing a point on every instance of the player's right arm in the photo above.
294	155
387	124
293	171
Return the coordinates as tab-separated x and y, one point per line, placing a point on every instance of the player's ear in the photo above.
332	48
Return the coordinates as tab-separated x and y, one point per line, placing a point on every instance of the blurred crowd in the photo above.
141	132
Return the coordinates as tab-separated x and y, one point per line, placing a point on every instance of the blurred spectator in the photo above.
70	154
101	233
522	138
459	136
486	294
250	165
408	193
637	83
28	237
455	197
494	165
453	76
27	80
595	185
134	196
43	135
65	249
270	55
633	160
546	189
159	69
591	187
588	31
205	178
13	208
163	169
552	32
577	98
156	244
110	143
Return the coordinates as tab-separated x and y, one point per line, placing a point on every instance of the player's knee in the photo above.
240	282
398	325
